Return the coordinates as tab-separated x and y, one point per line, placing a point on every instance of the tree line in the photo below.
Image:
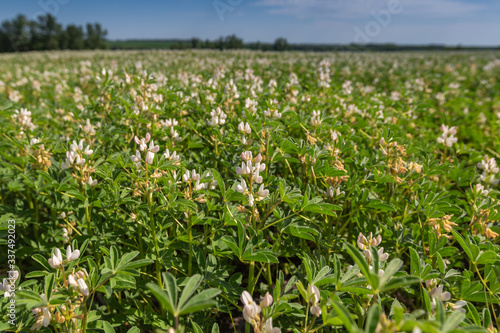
21	34
231	42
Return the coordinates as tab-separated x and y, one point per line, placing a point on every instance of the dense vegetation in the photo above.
21	34
202	191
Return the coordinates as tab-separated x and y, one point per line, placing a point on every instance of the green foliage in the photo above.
204	191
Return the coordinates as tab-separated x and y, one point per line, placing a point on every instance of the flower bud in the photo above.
267	301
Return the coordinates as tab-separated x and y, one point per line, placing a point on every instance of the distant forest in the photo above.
280	44
21	34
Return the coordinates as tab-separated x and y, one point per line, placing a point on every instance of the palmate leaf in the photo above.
262	255
187	303
345	316
200	301
162	297
191	285
360	260
463	244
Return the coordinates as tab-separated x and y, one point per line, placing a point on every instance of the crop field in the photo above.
206	191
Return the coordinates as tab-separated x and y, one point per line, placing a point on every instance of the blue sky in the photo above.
451	22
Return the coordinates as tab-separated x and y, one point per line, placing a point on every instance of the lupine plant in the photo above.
249	192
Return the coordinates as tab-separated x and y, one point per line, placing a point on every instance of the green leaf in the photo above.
345	316
196	327
380	205
134	329
452	321
200	301
49	285
392	268
191	285
487	257
263	255
321	208
415	262
372	319
162	297
400	282
220	182
463	244
107	327
360	260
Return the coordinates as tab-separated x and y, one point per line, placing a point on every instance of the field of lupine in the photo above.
249	192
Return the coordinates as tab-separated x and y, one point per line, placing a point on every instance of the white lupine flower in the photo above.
381	255
92	182
76	146
6	288
488	179
72	280
262	193
34	141
172	157
153	148
150	157
244	170
335	135
218	117
481	190
489	165
313	294
136	158
268	327
246	156
74	155
88	151
250	310
251	105
242	187
169	122
250	199
314	297
187	176
23	117
458	306
316	310
82	286
72	255
257	178
447	137
88	128
245	128
195	176
65	235
47	317
272	114
13	275
142	142
267	300
364	243
199	186
56	260
437	293
316	118
79	160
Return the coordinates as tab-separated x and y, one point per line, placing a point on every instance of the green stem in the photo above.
190	239
85	316
87	216
155	240
307	315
